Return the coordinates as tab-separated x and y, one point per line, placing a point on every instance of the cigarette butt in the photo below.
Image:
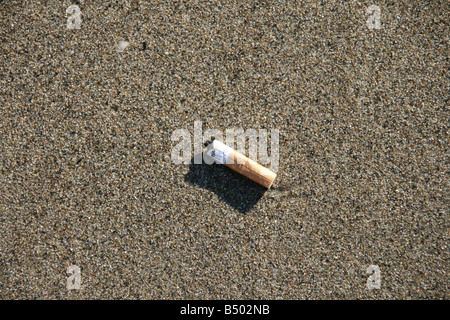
220	153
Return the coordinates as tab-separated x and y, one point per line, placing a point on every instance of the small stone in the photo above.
121	45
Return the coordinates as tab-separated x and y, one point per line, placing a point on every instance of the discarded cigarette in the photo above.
220	153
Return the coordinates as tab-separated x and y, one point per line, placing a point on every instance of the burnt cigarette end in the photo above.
207	143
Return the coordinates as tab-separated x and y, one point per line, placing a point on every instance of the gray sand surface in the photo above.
86	176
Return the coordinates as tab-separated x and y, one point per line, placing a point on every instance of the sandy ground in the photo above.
86	176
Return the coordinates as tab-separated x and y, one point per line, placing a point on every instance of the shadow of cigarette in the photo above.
236	190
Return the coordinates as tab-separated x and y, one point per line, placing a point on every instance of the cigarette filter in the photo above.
220	153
